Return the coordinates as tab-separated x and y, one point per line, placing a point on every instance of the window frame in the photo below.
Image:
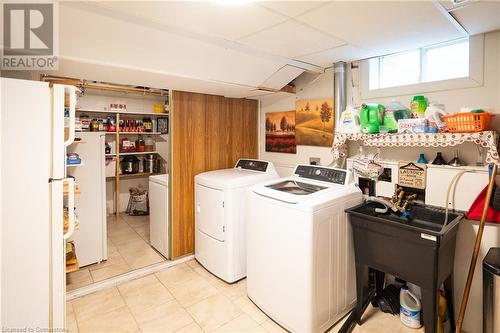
475	78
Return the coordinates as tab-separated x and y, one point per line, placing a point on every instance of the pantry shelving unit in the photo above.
117	154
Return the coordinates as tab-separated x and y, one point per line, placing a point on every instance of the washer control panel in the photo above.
254	165
324	174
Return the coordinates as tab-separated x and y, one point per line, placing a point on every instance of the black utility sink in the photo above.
419	249
424	218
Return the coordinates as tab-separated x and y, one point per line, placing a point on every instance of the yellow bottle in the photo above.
442	312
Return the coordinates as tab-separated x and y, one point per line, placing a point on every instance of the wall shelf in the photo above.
74	165
486	139
134	175
136	133
133	153
132	113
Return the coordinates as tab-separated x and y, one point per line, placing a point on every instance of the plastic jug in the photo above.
434	115
349	120
393	112
410	309
371	116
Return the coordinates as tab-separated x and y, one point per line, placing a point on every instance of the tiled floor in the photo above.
128	249
187	298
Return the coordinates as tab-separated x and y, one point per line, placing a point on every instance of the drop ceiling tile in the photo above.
282	77
209	18
479	17
383	26
291	8
290	39
345	53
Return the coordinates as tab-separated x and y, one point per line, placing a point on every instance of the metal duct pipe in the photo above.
339	90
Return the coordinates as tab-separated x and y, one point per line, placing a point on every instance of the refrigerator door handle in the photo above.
72	108
71	207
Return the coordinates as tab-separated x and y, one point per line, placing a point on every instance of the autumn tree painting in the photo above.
314	122
280	132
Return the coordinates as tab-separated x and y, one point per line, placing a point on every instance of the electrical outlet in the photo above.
314	160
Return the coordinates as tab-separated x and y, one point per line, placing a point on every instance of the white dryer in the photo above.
300	257
220	202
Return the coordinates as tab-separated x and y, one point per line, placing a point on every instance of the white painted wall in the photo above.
486	96
308	87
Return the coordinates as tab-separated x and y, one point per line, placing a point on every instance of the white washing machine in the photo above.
300	256
158	213
220	200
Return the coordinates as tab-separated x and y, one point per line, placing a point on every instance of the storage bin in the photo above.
468	122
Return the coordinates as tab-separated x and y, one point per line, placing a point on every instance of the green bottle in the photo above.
417	106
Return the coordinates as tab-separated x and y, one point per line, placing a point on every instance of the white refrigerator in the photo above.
33	145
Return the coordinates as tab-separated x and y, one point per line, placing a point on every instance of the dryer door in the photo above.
209	209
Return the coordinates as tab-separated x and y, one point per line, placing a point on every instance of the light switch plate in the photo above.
314	160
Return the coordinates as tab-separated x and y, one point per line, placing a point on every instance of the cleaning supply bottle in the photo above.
349	120
410	309
434	115
442	312
371	116
417	106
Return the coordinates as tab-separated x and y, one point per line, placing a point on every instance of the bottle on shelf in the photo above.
149	143
140	144
148	124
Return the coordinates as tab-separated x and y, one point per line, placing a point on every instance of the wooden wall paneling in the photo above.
250	128
209	133
237	138
214	129
188	160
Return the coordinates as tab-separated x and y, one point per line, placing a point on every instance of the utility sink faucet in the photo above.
400	202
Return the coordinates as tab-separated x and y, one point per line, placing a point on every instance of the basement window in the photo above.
428	64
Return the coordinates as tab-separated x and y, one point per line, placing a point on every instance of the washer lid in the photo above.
160	179
233	178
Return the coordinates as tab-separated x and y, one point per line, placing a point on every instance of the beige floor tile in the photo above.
271	327
178	274
209	277
117	320
141	256
78	279
109	271
235	290
96	303
71	325
193	263
144	293
192	291
247	306
167	317
241	324
114	258
213	312
191	328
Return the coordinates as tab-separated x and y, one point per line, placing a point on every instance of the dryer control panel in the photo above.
324	174
254	165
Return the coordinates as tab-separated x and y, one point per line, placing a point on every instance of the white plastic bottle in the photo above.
349	120
409	312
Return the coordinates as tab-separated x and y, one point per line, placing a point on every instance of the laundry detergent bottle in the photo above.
371	116
349	120
409	312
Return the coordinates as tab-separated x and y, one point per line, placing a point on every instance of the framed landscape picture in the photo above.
280	132
314	118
